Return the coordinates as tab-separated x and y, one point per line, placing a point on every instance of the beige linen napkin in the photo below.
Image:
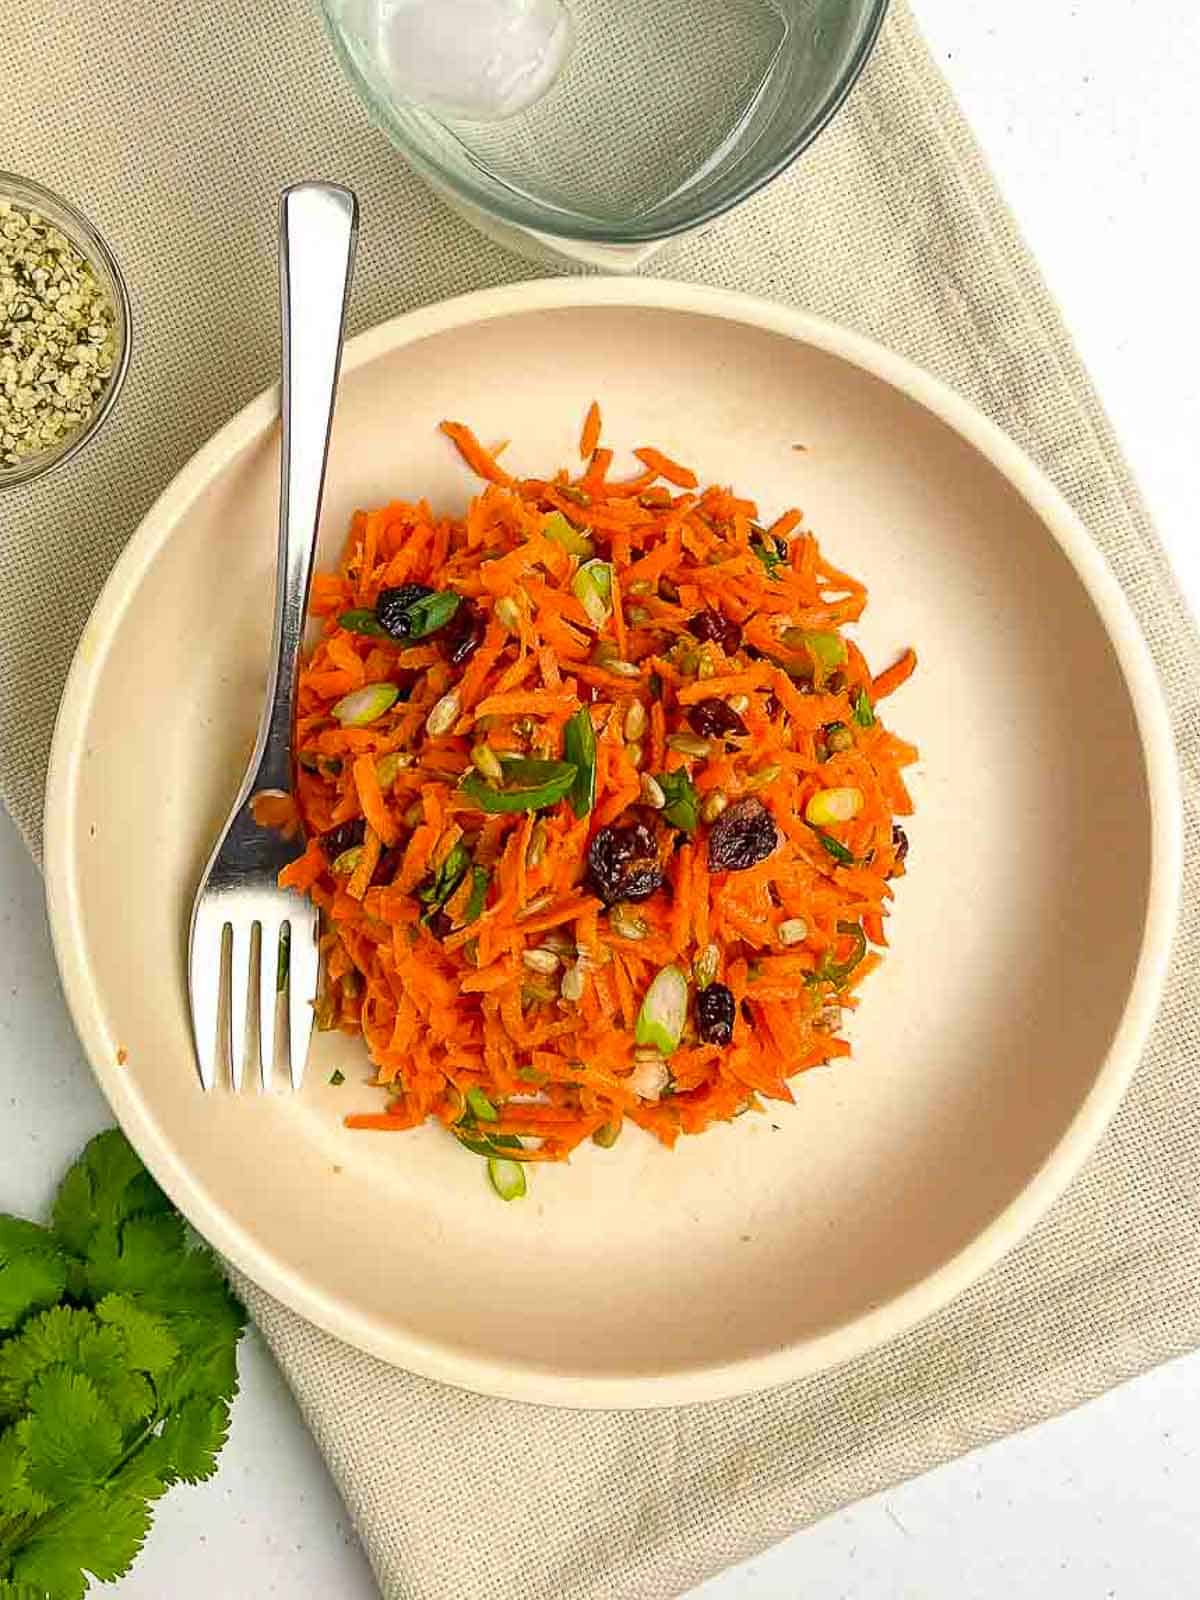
176	126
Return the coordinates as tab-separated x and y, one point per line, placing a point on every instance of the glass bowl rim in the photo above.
92	245
457	184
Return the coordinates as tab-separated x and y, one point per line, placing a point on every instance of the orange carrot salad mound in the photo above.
599	807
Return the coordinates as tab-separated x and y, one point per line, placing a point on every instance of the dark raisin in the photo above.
714	625
742	836
771	705
668	592
440	924
463	634
394	605
388	866
714	1014
346	836
624	861
713	719
835	682
899	845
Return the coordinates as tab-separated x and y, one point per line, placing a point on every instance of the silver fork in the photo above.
239	895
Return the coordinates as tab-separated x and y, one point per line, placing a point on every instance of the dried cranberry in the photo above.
742	836
714	1014
393	608
463	634
713	719
346	836
714	625
624	862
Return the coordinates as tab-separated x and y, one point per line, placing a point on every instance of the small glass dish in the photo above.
31	196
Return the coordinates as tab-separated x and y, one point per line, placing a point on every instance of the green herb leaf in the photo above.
682	809
835	848
71	1438
112	1397
431	612
106	1185
528	786
365	622
579	747
149	1344
27	1283
101	1534
193	1438
17	1494
864	713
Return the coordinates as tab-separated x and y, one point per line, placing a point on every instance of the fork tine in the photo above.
268	994
205	959
304	967
239	998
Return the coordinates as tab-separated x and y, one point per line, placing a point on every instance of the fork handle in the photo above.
318	226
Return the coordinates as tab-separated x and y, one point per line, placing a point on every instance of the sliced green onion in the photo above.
507	1178
664	1011
487	1144
528	786
445	880
835	848
837	972
771	551
556	527
681	806
347	861
363	622
429	612
607	1134
481	1106
480	878
337	1077
592	587
828	650
864	713
363	706
388	767
579	747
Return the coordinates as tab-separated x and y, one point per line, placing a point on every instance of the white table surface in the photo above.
1090	115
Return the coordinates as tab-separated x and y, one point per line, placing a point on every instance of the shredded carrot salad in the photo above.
599	808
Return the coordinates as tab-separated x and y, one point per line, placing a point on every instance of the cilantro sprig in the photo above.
118	1341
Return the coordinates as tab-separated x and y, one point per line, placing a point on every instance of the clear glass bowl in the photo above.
666	113
33	197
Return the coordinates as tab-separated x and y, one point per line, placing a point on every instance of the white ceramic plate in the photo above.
1029	941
